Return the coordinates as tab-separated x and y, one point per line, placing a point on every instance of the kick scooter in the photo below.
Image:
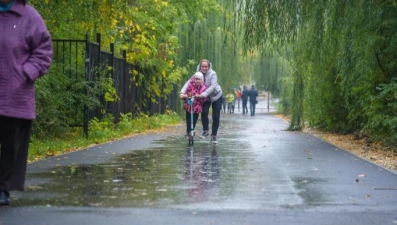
191	134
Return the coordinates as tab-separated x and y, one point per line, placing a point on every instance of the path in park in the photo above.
258	173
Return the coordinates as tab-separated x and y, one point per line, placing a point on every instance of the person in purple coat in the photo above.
25	55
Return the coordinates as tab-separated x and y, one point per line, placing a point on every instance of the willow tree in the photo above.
341	55
214	33
271	27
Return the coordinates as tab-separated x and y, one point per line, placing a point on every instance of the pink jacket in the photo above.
193	90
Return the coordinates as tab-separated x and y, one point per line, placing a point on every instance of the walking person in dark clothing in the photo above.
253	93
244	97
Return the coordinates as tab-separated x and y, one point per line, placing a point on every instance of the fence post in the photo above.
98	40
114	78
87	74
97	75
148	95
125	82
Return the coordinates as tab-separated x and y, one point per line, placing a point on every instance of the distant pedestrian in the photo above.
26	55
244	97
230	99
253	93
237	95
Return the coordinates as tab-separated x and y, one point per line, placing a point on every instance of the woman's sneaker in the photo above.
213	140
205	134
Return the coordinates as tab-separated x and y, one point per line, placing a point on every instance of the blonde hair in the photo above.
205	60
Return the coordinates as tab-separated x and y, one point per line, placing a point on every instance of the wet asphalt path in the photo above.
257	174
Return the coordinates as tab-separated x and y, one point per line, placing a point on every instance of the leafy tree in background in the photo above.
331	62
151	32
144	29
214	32
342	55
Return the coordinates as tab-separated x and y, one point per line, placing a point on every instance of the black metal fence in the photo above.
84	60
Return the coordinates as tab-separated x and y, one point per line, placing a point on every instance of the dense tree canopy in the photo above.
339	58
332	63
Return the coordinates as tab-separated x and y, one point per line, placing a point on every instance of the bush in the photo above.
61	100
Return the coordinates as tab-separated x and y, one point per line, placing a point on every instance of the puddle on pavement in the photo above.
171	175
231	175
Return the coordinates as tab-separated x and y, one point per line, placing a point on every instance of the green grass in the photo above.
99	132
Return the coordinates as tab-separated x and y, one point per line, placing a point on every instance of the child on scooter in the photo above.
194	89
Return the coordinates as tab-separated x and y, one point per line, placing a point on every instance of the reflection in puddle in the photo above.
202	173
155	178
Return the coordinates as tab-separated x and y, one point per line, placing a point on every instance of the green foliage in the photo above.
110	93
53	100
214	33
124	122
145	30
344	52
101	129
382	115
60	100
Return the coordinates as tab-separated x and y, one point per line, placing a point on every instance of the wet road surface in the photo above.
257	174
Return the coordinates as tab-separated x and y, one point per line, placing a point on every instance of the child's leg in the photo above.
188	122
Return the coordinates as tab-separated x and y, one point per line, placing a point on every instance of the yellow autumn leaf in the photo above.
114	22
164	3
163	73
138	27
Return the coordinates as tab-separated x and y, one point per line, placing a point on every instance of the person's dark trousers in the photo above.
189	121
245	108
252	108
14	141
216	113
